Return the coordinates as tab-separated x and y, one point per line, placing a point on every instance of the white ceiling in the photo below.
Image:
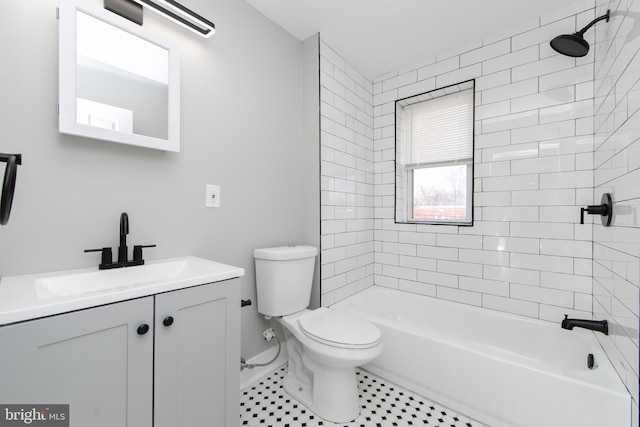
379	36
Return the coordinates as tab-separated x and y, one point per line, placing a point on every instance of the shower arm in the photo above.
592	23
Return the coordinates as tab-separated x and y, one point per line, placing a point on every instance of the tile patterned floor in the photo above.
266	404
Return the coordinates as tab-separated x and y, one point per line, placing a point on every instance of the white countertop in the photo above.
24	297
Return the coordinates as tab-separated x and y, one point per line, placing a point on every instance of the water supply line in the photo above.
268	334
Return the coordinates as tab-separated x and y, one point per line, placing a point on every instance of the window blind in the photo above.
440	129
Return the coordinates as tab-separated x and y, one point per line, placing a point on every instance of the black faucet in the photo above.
124	230
123	258
594	325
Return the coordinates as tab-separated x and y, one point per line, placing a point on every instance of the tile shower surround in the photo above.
533	166
536	113
616	271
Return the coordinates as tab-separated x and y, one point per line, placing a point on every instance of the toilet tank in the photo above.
284	276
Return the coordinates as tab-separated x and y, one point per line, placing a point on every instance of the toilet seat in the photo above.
339	329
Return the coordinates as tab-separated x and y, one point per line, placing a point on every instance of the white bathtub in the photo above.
503	370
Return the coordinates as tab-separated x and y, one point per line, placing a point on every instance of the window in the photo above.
434	156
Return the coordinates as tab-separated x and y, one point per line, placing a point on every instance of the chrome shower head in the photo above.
575	45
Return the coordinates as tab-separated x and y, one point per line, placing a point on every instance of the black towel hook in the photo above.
8	184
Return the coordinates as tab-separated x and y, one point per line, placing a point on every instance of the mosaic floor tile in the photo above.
266	404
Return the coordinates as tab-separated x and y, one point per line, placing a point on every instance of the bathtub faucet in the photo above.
594	325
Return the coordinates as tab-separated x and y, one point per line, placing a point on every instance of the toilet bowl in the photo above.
324	346
322	361
322	372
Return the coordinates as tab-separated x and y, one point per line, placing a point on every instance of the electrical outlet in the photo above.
213	196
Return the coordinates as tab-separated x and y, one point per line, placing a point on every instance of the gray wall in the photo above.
241	97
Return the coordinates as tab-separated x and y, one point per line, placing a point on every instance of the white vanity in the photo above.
154	345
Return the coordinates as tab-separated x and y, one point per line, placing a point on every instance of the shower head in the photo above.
575	45
571	45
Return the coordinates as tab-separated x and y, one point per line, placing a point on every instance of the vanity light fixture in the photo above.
181	15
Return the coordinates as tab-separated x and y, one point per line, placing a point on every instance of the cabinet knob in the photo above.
168	321
143	329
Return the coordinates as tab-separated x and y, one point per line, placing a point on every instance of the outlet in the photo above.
213	196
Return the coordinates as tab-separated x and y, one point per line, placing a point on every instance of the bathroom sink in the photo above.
122	278
32	296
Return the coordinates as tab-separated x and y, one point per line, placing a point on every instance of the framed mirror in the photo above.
117	82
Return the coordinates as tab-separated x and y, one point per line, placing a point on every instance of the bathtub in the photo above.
502	370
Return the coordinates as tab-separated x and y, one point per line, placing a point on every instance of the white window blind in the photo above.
439	130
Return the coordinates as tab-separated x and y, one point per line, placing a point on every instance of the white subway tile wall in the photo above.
533	170
347	176
616	250
537	161
526	252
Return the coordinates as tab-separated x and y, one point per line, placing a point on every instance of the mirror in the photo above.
117	82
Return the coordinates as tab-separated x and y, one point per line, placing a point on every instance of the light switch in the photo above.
213	196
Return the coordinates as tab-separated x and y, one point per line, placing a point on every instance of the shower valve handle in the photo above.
605	210
594	210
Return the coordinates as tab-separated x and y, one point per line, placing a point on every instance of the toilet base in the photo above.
333	394
323	377
329	392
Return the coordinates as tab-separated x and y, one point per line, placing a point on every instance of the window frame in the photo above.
405	215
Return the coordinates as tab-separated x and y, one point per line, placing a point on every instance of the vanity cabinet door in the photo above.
197	356
94	360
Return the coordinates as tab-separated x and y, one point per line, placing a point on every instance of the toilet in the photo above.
324	346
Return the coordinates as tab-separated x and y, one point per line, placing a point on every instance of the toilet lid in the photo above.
339	329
